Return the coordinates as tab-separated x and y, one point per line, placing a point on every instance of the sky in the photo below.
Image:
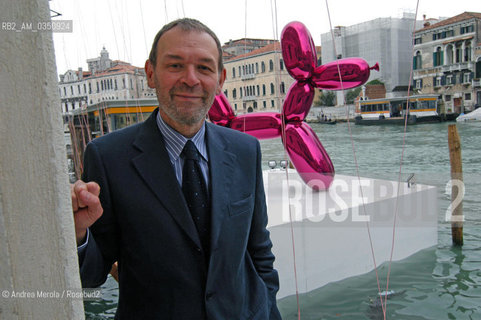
127	27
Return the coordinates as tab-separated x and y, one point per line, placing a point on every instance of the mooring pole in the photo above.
457	185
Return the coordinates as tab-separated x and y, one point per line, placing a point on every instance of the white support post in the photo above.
38	259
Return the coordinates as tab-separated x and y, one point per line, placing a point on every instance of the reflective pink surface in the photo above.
298	51
221	112
262	125
302	144
354	72
309	156
298	101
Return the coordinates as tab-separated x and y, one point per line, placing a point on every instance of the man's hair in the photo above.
186	24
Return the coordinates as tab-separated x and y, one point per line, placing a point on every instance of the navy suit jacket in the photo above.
147	228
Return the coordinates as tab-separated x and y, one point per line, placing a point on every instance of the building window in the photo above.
438	57
258	90
437	81
234	94
271	65
272	88
85	88
123	83
450	79
71	90
235	107
467	29
263	67
467	51
233	73
443	34
64	91
281	64
111	86
240	74
98	87
257	67
272	104
459	51
447	98
466	77
116	88
263	89
264	103
418	84
240	92
417	61
283	88
449	54
467	96
418	40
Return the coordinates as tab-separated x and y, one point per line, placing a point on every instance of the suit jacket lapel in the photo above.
221	166
154	166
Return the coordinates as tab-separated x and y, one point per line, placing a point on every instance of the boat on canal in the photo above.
472	116
417	109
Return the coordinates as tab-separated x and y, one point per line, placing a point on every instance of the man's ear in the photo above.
149	71
222	77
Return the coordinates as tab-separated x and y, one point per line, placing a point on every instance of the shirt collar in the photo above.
174	141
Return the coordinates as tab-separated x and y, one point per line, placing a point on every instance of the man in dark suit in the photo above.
182	253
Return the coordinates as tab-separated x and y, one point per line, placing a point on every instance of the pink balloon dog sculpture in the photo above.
303	146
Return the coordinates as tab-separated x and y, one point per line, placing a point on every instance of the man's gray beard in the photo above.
171	111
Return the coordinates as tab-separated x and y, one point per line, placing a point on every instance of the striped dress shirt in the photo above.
175	142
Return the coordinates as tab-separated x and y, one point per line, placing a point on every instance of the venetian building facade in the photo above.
106	80
447	62
257	80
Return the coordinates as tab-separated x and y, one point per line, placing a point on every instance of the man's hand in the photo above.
86	207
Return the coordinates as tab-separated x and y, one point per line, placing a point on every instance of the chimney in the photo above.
80	73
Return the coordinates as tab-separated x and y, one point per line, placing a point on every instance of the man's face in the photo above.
186	76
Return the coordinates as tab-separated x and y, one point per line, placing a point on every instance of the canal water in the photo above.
442	282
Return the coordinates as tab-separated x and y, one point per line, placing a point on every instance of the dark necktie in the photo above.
195	193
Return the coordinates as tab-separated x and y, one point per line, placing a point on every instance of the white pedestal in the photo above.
331	227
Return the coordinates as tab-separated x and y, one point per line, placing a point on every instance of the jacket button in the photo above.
198	249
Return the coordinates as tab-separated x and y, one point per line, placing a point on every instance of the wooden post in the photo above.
457	185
